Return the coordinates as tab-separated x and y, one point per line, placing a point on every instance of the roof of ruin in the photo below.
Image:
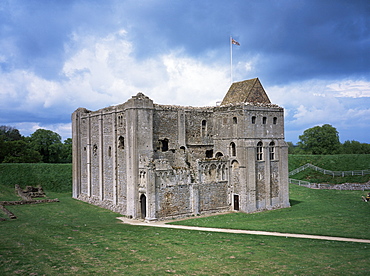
248	91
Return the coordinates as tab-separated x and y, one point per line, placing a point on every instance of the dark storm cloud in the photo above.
297	48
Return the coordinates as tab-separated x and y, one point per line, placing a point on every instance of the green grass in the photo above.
74	238
52	177
318	212
317	177
340	162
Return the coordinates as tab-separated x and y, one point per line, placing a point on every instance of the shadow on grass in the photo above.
294	202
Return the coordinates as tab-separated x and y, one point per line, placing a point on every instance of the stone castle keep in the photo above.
152	161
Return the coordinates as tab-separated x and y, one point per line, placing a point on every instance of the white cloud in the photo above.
318	102
350	88
102	71
27	128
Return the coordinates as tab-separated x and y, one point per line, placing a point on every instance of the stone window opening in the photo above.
204	128
218	154
163	145
121	142
120	120
272	151
209	153
259	151
95	150
274	121
235	120
253	119
232	149
264	120
110	151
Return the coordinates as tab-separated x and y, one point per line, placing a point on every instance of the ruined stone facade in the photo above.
152	161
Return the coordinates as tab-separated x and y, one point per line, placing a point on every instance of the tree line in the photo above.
325	140
41	146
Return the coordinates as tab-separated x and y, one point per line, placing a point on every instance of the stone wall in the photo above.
197	160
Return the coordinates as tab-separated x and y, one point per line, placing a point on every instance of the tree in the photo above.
355	147
20	152
320	140
48	144
66	153
8	133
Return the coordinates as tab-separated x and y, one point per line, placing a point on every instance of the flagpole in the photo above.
231	60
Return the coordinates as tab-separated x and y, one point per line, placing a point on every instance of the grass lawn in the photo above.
75	238
317	212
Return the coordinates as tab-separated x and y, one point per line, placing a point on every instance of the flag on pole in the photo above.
233	41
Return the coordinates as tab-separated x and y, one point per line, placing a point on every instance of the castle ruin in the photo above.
152	161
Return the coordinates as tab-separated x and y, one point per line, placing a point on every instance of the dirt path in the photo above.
164	224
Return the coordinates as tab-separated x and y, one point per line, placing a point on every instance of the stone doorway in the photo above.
143	206
236	202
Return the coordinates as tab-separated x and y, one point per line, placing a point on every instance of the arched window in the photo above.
253	119
264	120
204	128
272	150
274	121
232	149
121	142
259	151
235	120
218	154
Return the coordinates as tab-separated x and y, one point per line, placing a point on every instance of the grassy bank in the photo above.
52	177
341	162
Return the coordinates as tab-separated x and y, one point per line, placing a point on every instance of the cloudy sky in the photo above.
312	57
